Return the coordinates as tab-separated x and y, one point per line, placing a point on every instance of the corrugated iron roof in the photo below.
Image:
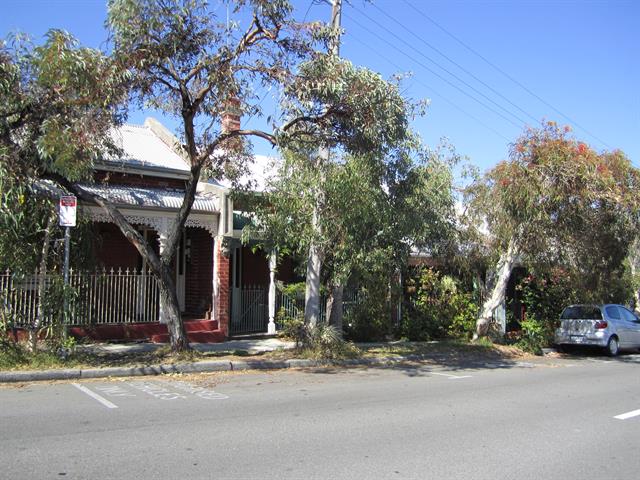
144	197
142	148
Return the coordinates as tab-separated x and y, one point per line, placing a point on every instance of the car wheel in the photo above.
613	347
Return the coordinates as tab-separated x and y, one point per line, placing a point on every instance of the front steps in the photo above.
198	331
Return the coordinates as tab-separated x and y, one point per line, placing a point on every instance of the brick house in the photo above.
223	286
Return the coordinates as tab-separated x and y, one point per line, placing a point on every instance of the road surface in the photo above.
576	417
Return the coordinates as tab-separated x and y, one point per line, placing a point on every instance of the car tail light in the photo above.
600	324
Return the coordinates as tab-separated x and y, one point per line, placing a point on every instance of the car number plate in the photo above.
577	338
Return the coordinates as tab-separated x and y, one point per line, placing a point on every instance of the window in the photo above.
627	315
613	312
582	312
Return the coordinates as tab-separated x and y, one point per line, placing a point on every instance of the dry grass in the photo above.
16	357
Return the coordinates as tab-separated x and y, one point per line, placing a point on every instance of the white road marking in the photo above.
95	396
156	391
624	416
451	377
198	391
525	364
115	391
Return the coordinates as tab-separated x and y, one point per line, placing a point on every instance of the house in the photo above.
224	287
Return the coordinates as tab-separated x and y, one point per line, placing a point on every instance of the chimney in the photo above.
231	115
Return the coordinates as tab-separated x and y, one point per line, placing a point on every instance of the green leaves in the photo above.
58	101
563	203
375	209
347	106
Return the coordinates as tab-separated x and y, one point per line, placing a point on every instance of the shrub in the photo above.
369	319
293	290
463	322
437	308
290	327
532	337
544	297
325	342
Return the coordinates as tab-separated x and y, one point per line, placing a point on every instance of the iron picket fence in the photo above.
252	316
292	306
98	297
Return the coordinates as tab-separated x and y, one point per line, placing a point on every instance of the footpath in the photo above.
244	349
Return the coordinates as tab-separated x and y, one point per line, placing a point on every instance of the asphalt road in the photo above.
553	418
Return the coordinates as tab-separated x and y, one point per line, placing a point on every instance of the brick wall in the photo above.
112	249
255	267
199	273
133	180
222	309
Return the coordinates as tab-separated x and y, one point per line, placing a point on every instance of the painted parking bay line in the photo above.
451	377
624	416
95	396
198	391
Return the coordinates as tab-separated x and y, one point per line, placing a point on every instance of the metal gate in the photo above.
250	310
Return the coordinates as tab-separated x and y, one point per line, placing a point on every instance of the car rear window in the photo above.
582	312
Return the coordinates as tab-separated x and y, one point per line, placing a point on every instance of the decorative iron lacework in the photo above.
159	223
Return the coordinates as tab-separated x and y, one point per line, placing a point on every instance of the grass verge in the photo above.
16	357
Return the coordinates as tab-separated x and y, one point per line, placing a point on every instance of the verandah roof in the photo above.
138	197
158	198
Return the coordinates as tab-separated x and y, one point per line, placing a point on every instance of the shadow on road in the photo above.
595	354
452	362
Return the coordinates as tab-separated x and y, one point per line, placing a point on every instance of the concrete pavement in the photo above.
249	347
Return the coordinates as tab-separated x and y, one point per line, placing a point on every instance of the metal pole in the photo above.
65	273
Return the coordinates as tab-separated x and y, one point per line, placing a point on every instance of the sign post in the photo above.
67	215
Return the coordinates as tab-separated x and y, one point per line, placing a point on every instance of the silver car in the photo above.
612	327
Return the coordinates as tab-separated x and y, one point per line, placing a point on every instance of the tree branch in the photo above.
116	216
187	203
313	119
235	133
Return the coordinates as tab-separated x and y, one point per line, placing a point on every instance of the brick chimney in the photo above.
231	116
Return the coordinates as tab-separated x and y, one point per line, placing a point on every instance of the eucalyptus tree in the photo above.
375	210
556	201
189	63
58	102
181	58
634	266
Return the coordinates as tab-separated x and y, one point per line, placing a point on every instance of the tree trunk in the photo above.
42	279
497	295
175	326
160	265
634	262
335	307
312	286
314	259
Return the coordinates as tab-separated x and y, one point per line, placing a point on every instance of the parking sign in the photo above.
67	211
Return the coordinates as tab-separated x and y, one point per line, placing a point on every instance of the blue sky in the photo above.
580	57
